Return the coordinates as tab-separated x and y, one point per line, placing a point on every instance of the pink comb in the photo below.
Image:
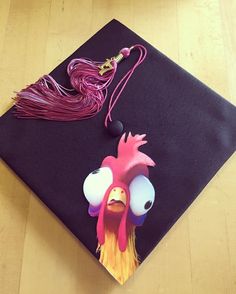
129	149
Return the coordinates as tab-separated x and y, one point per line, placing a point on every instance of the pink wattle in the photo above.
100	222
122	233
122	229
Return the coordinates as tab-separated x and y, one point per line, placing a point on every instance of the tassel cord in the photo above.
124	81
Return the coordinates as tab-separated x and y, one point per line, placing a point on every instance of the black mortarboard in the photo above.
191	132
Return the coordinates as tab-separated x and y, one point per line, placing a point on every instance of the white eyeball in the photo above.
96	184
142	195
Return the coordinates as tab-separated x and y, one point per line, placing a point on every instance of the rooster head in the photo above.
120	190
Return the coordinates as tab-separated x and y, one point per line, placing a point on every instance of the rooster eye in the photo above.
142	195
96	184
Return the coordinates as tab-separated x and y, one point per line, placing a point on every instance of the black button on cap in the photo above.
115	128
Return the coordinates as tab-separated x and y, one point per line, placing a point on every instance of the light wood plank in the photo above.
203	54
37	253
14	201
4	12
14	196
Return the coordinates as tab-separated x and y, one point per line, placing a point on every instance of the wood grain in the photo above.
37	253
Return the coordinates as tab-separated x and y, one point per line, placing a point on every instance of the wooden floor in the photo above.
37	254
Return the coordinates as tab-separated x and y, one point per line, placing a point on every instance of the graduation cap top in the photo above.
120	195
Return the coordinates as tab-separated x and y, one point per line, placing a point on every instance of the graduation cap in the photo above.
118	194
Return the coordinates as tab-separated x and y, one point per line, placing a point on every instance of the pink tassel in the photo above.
46	99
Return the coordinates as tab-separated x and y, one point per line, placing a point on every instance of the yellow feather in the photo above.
120	264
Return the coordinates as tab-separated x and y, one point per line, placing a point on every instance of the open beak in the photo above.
116	200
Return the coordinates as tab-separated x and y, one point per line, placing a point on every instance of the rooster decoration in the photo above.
120	195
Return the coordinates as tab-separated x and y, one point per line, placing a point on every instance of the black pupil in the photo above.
148	204
96	171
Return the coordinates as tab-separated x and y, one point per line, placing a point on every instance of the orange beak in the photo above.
116	200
